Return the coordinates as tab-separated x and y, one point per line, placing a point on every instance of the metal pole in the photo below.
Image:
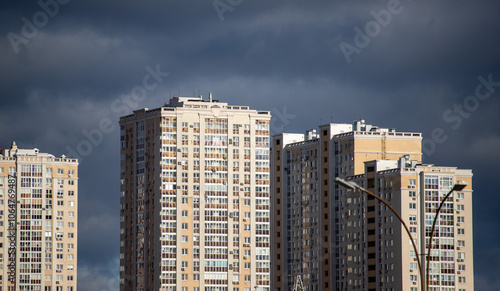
456	187
353	186
407	231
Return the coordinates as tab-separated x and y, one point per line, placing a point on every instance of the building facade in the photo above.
38	220
195	197
375	251
306	212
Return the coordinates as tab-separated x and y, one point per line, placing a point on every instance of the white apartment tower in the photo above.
38	221
195	197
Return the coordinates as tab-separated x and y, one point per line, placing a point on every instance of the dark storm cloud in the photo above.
283	56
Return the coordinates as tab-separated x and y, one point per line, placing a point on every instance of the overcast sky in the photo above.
69	69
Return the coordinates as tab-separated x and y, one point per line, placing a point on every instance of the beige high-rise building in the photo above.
195	197
333	240
38	221
306	212
376	252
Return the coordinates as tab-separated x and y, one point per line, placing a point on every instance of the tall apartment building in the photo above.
38	221
306	202
376	253
195	197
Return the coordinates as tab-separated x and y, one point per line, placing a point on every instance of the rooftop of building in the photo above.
338	130
195	103
14	151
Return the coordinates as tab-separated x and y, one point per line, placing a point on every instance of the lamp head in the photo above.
349	185
459	186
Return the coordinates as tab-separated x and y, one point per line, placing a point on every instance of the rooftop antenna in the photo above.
210	97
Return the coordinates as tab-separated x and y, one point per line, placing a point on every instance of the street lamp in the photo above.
459	186
353	186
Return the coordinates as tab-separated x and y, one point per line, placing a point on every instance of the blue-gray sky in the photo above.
424	66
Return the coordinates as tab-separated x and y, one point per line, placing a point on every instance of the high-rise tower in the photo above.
306	202
195	197
38	220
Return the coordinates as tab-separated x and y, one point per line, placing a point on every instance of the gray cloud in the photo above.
279	56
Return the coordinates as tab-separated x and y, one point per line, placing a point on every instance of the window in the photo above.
71	193
184	213
247	226
461	231
60	171
412	194
247	265
413	229
184	238
460	195
412	182
184	226
247	278
413	218
460	207
461	256
413	205
184	251
460	219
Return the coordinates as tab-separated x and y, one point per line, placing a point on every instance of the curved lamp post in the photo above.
457	187
353	186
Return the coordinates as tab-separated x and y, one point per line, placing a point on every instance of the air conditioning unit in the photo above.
245	257
246	245
236	282
244	219
458	248
230	252
183	269
179	163
241	184
179	150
